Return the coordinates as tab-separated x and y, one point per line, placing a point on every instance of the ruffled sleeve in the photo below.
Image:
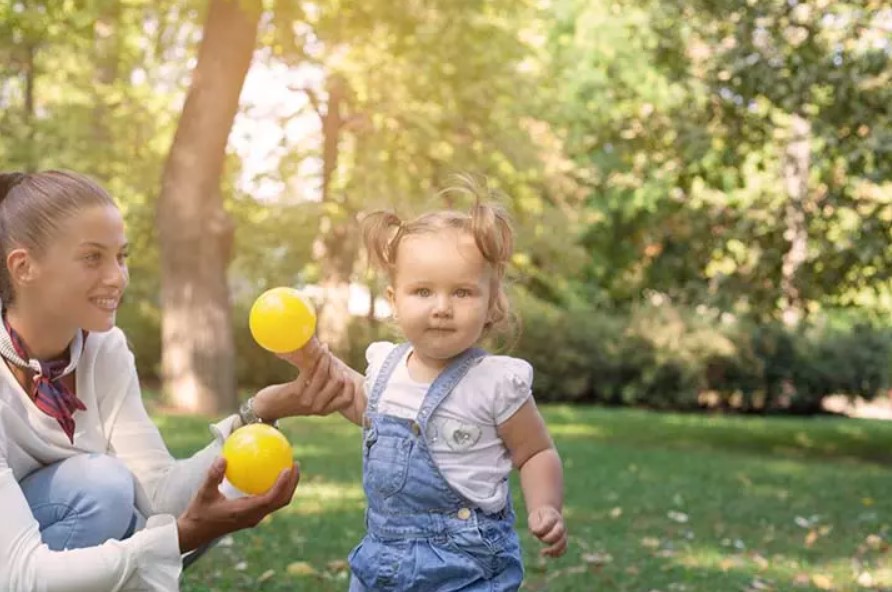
375	355
513	385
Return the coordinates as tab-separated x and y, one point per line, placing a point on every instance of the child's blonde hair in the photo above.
487	222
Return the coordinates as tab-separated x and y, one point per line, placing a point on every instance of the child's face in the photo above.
441	293
79	279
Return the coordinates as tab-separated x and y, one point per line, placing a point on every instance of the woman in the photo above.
91	498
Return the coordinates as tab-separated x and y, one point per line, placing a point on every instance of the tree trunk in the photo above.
335	246
31	160
795	175
107	53
195	232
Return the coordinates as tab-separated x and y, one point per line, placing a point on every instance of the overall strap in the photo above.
446	381
390	364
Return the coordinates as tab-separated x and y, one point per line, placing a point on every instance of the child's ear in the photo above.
391	298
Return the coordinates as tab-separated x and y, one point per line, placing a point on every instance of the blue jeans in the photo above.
83	501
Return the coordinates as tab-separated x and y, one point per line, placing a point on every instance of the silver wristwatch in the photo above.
247	415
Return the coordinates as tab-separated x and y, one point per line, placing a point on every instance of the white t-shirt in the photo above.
114	422
461	433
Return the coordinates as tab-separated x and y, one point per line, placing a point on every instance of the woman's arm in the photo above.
541	475
166	485
188	488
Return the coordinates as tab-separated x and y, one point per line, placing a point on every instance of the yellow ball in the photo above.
255	456
281	321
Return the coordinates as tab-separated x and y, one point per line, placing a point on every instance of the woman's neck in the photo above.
43	340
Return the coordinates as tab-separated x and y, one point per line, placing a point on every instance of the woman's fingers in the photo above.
209	487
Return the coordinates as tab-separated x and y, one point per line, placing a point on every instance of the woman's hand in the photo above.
327	386
211	515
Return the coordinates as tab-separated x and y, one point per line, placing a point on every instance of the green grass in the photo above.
654	502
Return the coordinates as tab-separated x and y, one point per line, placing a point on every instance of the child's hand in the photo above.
547	524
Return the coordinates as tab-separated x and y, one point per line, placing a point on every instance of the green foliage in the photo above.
667	357
675	115
640	145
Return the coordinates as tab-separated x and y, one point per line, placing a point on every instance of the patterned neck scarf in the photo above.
48	391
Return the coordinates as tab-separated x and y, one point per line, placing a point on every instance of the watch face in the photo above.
246	412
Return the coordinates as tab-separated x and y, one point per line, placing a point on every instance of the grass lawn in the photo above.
655	502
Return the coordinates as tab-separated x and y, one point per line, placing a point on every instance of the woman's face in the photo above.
80	277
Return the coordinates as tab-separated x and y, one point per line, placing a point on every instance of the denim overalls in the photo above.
421	534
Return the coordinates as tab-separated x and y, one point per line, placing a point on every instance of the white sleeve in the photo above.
514	386
168	484
134	438
149	560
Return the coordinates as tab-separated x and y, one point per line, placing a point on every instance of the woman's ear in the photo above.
21	266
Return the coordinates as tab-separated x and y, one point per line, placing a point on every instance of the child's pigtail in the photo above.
380	234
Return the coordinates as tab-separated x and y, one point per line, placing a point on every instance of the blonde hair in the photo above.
486	221
33	207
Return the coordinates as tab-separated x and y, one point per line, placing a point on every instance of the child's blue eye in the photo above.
423	292
462	292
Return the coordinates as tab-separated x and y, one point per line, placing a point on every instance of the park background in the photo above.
702	193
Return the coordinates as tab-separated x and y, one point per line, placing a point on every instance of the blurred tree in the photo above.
736	154
195	231
403	99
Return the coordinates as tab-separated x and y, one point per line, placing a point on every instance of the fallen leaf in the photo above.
865	580
802	579
759	585
873	541
616	512
760	561
821	581
266	575
867	501
225	541
597	558
811	537
301	568
650	542
679	517
337	565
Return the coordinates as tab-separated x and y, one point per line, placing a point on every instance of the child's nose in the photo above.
443	306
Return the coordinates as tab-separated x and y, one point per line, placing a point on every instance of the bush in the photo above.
658	356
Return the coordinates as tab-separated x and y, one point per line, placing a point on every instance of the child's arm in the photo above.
356	410
340	372
541	475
